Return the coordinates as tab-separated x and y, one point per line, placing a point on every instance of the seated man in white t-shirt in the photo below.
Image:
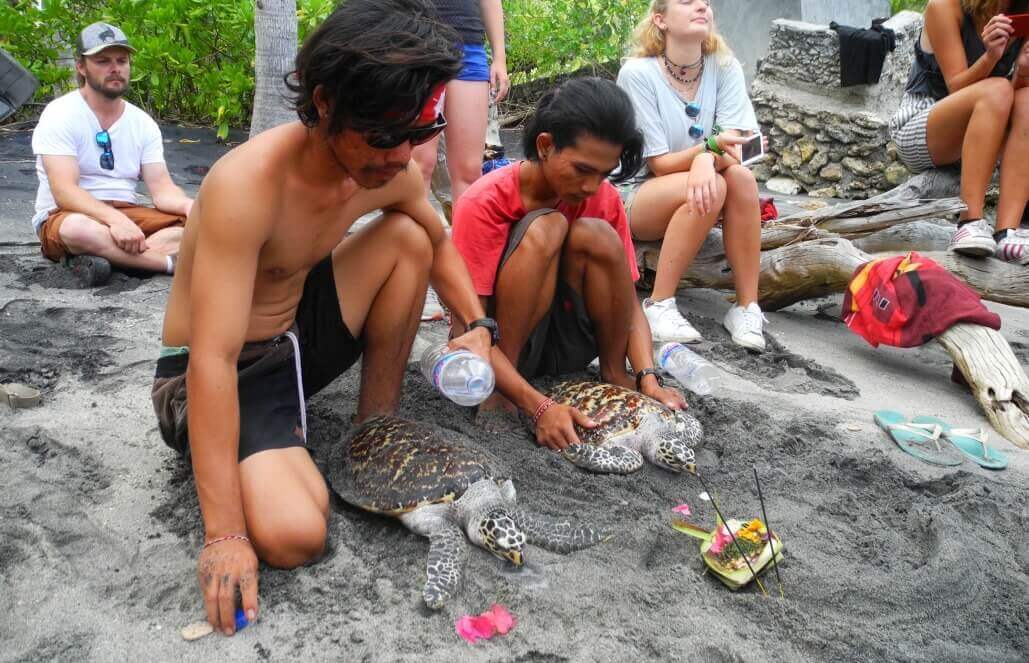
92	147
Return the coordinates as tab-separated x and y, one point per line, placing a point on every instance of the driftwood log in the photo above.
995	377
808	254
817	268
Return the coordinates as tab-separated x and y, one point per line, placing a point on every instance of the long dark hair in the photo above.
593	106
377	62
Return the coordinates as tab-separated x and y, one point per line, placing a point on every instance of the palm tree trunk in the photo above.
275	24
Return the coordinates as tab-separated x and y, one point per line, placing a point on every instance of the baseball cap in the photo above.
98	36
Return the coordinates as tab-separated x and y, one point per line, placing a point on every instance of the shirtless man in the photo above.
267	297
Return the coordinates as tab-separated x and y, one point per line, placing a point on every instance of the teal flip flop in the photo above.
921	440
969	441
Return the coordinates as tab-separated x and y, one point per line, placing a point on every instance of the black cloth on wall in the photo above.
863	52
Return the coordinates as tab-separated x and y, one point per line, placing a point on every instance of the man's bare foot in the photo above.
498	418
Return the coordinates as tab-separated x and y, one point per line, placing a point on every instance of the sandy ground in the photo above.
887	559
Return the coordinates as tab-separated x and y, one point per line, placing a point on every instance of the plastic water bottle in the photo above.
690	369
462	376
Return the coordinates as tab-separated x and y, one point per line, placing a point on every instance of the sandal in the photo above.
969	441
917	439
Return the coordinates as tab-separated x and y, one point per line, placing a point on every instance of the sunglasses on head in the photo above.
387	140
103	141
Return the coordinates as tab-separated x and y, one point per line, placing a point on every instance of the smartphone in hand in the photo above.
753	150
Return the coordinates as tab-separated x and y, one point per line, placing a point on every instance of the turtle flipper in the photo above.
556	536
447	553
611	459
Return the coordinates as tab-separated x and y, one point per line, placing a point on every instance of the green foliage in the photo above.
913	5
557	36
194	60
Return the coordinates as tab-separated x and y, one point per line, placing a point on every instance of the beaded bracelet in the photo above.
543	407
230	537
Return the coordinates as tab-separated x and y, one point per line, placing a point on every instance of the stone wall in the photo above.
825	139
745	23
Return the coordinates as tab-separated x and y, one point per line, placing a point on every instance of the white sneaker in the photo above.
1014	247
744	324
974	239
667	325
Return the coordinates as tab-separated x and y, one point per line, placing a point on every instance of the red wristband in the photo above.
543	407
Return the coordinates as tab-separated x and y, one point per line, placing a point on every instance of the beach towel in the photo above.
906	301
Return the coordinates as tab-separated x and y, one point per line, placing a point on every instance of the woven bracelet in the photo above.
230	537
543	407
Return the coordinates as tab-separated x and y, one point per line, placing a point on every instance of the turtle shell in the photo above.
617	411
393	466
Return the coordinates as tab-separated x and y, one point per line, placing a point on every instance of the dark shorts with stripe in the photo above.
275	376
563	341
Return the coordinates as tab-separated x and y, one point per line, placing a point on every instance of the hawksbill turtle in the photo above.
630	427
443	489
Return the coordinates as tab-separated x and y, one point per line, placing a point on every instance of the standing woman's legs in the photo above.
467	111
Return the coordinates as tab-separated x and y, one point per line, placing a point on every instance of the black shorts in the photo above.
271	402
563	341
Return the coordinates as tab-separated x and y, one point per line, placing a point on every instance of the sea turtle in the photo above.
630	427
438	487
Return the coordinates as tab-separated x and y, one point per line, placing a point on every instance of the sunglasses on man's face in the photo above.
103	141
387	140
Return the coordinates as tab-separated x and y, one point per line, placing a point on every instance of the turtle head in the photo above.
669	441
499	534
672	453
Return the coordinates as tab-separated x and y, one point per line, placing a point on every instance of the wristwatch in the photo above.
488	323
644	373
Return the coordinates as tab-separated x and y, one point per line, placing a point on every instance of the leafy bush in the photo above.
195	58
556	36
913	5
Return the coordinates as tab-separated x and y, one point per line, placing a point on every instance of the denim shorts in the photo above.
474	67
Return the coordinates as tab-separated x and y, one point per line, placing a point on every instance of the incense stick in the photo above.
771	539
733	535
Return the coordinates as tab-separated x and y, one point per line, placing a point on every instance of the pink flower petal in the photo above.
721	538
502	618
473	629
684	509
465	629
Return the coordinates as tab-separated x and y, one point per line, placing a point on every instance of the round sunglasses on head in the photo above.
387	140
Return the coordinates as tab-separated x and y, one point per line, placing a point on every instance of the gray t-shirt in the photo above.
661	112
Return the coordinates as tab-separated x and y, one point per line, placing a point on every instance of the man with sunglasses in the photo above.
273	300
92	147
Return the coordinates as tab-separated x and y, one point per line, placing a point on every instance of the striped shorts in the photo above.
907	128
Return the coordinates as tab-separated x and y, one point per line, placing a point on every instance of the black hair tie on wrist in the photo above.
644	373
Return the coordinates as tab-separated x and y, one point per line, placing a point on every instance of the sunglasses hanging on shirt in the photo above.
693	112
103	141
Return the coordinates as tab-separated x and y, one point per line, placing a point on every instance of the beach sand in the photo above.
887	558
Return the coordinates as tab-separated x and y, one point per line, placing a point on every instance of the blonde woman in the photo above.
967	100
684	82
